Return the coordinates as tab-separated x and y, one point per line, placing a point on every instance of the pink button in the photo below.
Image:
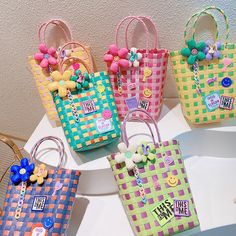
107	114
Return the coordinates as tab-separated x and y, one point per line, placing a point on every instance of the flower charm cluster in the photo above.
212	50
199	51
46	56
22	172
81	80
121	59
147	151
128	155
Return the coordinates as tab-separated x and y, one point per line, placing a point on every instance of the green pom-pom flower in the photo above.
194	51
82	80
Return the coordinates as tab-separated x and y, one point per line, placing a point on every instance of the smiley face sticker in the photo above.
172	180
147	93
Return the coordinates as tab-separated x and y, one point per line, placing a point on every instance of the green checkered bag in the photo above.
85	105
204	74
153	185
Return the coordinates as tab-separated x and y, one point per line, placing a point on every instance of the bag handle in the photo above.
128	117
151	22
59	144
79	45
140	20
195	24
89	70
14	148
221	12
61	24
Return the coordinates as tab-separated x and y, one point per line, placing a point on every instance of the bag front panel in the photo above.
85	135
59	206
42	79
156	61
193	105
154	177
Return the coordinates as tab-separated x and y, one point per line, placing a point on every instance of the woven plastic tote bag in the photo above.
153	184
85	105
39	200
137	75
46	60
204	73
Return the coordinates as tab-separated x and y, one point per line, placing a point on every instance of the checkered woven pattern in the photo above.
139	214
84	135
192	104
59	206
42	79
156	60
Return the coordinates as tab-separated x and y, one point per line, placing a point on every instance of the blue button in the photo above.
226	82
48	223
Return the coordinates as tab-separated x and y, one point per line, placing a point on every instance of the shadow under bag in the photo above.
153	185
39	200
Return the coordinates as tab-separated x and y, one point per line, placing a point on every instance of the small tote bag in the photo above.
137	75
46	61
153	184
204	73
85	105
39	200
10	155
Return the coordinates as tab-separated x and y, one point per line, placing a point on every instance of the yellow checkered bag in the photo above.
204	74
42	74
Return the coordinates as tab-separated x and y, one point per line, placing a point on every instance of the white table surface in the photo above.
209	156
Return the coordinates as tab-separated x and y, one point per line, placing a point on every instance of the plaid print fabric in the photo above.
139	214
42	79
84	135
59	206
156	60
192	104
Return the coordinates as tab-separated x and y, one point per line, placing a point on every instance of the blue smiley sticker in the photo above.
48	223
226	82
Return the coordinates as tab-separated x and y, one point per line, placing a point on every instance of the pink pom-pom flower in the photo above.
46	56
116	58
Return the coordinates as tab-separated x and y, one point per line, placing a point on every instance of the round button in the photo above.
226	82
106	114
48	223
172	180
22	171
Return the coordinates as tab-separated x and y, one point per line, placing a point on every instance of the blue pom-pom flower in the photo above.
22	172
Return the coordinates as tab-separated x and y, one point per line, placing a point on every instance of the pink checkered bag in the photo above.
137	75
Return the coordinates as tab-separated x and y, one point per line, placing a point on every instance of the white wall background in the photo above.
92	22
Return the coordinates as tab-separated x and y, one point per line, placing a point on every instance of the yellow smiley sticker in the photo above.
146	73
147	93
172	180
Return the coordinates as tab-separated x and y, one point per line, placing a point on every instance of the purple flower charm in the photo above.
212	50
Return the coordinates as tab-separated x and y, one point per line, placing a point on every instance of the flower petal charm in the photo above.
116	58
46	56
61	82
22	173
128	155
194	51
39	174
134	57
